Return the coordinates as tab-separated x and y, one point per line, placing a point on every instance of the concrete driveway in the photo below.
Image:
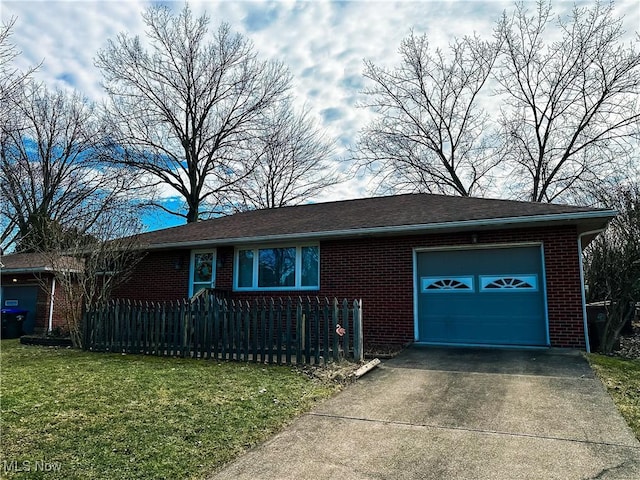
435	413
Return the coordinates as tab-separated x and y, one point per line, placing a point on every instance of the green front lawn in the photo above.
112	416
622	379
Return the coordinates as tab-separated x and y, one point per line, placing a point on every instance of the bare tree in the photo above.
561	117
53	174
291	162
612	264
569	96
431	134
186	109
11	79
88	265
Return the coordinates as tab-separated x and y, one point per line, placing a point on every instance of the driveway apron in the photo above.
435	413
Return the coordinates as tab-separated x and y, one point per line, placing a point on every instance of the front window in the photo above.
310	275
278	268
203	271
245	269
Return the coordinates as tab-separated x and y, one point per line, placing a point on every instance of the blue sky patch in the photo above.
68	78
352	82
331	114
260	19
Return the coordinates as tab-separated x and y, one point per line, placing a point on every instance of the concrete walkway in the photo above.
457	414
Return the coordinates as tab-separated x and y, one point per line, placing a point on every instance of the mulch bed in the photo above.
45	341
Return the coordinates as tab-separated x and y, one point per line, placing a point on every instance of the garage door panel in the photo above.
480	261
483	321
471	330
24	298
505	305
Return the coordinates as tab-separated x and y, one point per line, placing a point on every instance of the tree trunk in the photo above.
192	214
618	314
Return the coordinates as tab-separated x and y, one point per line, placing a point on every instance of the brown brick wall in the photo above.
380	272
160	276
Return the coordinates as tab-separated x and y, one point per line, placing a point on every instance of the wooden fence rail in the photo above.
266	330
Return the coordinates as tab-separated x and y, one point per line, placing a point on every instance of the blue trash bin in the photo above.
12	322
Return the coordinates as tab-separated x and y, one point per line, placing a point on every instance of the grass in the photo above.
132	417
622	379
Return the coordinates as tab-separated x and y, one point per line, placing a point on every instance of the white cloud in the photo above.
323	43
65	37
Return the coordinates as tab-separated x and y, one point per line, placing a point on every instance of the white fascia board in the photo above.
394	229
16	271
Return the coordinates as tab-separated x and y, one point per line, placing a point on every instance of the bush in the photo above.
612	265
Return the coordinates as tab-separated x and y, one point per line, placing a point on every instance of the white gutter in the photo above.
582	292
18	271
53	294
355	232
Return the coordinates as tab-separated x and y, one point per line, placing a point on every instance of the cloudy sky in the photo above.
323	43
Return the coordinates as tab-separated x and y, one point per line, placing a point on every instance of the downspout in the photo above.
584	297
53	294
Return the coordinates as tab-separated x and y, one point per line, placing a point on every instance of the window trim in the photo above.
192	266
256	267
466	280
531	278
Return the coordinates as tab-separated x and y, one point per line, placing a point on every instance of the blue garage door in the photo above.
23	298
492	296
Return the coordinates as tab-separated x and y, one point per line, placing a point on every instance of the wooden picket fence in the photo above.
265	330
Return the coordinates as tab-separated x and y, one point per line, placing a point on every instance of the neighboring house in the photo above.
28	283
429	268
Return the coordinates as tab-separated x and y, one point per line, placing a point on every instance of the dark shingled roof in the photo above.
411	213
36	263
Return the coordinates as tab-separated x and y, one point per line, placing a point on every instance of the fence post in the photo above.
130	326
194	322
246	330
299	330
326	331
254	330
182	328
224	325
206	319
238	331
99	326
306	318
279	331
334	326
217	341
263	330
288	327
347	329
114	327
155	329
146	313
358	340
86	331
316	330
270	328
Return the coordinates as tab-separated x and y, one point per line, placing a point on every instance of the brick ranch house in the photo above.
431	269
27	282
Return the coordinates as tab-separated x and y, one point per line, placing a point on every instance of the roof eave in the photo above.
15	271
32	270
600	217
